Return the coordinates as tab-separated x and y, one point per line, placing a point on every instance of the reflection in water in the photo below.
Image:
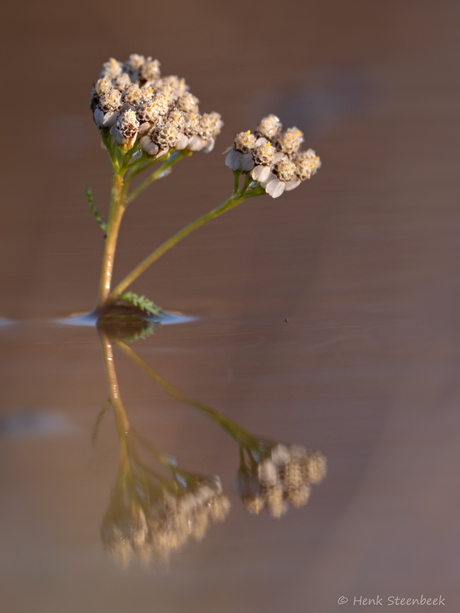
151	514
271	475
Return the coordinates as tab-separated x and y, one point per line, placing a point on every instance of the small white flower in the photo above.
111	69
245	141
103	85
192	124
98	117
148	145
307	163
261	173
122	82
179	86
292	184
264	152
210	125
110	100
290	141
105	120
239	161
126	129
284	170
209	146
269	127
196	143
181	143
188	103
274	187
233	159
110	119
132	66
150	70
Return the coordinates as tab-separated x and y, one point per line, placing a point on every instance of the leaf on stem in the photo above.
99	417
143	303
97	215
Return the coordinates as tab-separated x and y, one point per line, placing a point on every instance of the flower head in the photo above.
167	113
272	158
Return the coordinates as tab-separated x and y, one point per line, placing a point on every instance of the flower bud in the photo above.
244	142
306	164
269	127
290	141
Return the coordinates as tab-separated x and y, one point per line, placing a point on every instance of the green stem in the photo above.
175	157
121	419
117	208
236	174
106	139
247	181
153	257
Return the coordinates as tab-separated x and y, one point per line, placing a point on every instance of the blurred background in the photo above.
327	318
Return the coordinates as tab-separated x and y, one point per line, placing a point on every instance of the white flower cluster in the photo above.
158	113
282	477
152	533
272	156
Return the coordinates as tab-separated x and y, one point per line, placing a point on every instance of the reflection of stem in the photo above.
236	432
121	419
126	434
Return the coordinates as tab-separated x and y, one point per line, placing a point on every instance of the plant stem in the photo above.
117	208
231	203
238	433
236	174
175	157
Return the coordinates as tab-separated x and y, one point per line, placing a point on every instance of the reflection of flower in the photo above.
149	518
151	514
273	476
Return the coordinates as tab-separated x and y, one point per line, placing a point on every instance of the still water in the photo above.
140	476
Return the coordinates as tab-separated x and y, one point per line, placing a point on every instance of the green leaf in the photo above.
143	303
97	215
99	417
141	334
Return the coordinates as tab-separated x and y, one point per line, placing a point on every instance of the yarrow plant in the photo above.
147	120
